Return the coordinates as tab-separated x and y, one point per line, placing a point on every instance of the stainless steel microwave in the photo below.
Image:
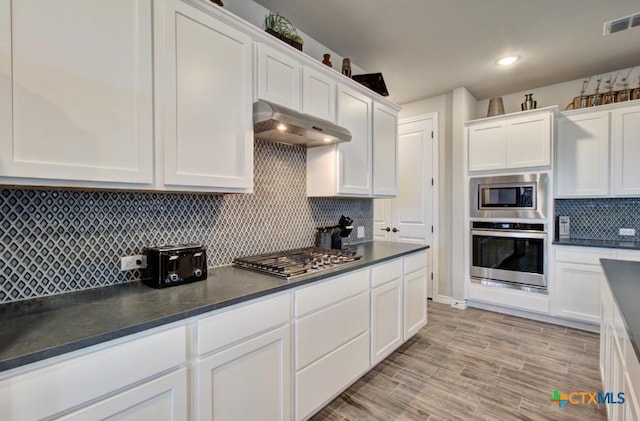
509	196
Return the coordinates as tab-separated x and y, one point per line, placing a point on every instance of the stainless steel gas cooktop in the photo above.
291	263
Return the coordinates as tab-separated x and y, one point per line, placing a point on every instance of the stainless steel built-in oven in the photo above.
509	254
509	196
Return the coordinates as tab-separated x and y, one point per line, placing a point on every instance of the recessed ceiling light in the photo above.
506	61
281	127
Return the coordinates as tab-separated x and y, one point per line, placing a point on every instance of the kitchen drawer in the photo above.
335	326
386	272
225	328
66	384
583	255
320	382
334	290
415	262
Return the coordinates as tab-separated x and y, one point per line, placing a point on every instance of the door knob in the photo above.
386	229
395	230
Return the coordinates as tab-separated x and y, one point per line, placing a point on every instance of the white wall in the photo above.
464	105
560	94
254	13
441	105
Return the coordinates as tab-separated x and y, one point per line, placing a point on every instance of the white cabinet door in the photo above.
529	141
76	91
582	157
625	141
278	77
385	150
386	319
205	73
249	381
318	94
577	291
162	399
487	146
415	302
354	157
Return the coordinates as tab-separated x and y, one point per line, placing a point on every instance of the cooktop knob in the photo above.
173	277
197	272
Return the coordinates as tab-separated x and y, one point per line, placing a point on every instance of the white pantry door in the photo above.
411	213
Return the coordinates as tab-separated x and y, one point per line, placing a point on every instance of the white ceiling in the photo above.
427	47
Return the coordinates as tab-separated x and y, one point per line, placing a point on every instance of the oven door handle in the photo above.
510	234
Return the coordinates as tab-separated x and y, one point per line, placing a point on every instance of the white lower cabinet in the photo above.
249	381
331	339
577	279
161	399
84	386
577	291
415	293
245	369
619	365
386	309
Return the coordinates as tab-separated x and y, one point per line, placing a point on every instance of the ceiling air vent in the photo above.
621	24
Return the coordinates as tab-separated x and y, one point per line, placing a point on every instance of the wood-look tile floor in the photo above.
477	365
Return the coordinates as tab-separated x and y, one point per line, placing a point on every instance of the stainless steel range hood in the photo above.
280	124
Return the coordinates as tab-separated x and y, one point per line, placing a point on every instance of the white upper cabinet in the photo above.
487	146
318	94
598	152
529	141
76	92
385	150
582	157
522	140
354	157
367	165
625	141
278	77
344	169
205	101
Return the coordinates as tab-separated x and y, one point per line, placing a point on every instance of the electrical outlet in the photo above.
628	231
139	261
360	232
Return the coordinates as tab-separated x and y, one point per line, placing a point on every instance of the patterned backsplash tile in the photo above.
55	241
601	219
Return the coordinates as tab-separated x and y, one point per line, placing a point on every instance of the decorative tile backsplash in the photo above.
601	219
55	241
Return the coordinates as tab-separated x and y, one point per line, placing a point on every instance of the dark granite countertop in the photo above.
40	328
624	279
615	244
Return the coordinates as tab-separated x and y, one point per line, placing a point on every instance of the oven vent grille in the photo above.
621	24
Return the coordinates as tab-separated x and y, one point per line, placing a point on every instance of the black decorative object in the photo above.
373	81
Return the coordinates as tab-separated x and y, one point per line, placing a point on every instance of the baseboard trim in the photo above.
591	327
443	299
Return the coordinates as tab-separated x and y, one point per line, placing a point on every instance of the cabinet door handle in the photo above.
386	229
395	230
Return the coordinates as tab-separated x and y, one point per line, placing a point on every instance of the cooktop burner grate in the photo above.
290	263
